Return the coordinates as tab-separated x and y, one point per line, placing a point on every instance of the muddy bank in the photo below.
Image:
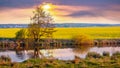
52	44
107	42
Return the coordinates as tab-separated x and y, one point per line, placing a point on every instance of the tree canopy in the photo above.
41	25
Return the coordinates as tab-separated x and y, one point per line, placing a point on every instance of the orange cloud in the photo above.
61	13
60	10
15	15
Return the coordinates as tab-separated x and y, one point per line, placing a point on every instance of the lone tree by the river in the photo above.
41	26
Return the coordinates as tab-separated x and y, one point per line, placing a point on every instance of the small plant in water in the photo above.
106	54
93	55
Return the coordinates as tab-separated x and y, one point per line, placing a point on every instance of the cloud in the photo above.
111	12
64	10
88	14
18	3
30	3
15	15
104	11
83	13
112	15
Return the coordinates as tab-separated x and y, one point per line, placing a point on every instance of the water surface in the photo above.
61	54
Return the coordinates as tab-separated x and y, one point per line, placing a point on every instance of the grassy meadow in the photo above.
68	33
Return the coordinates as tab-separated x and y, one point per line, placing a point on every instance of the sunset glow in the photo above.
64	11
46	6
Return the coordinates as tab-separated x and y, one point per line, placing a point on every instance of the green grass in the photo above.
68	33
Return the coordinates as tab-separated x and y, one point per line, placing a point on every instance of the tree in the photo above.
20	34
41	26
21	39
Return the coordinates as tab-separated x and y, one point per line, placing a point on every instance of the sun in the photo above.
46	6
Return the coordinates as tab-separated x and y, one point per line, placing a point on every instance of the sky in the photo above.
65	11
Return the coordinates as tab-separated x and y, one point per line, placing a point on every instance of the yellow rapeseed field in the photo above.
68	33
8	32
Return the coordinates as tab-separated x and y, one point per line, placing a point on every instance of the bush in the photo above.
82	43
93	55
106	54
4	58
81	39
115	56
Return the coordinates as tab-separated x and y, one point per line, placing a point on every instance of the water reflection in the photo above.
62	54
100	50
82	49
13	56
20	54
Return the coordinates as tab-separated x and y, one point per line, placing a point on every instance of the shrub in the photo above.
82	43
5	58
115	56
77	60
82	39
93	55
106	54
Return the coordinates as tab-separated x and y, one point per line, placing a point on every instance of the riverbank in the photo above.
93	60
54	43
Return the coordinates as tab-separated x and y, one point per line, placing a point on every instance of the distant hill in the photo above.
13	25
83	25
59	25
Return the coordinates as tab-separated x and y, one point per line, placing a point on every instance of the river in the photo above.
61	54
